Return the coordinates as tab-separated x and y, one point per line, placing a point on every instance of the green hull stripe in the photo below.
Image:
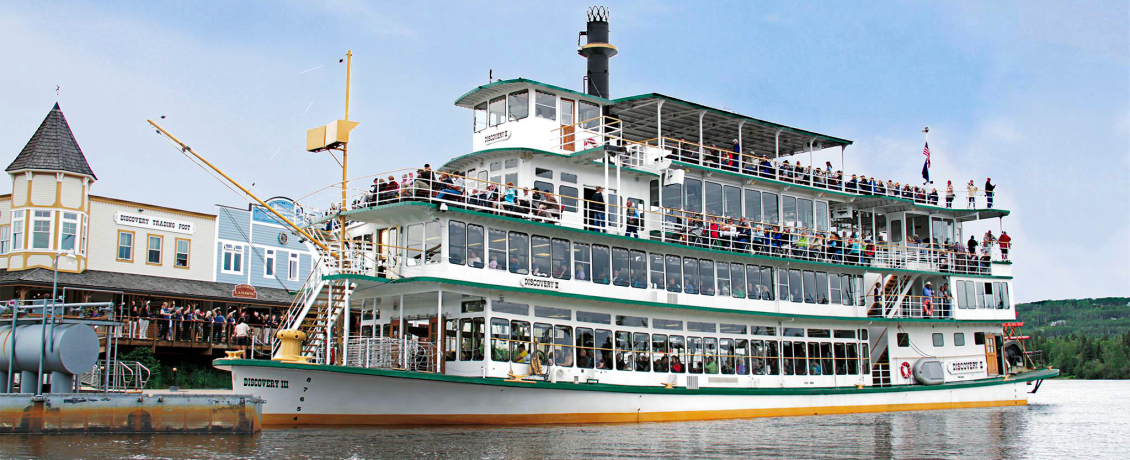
1024	377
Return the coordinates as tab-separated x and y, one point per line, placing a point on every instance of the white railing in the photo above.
391	353
124	376
587	134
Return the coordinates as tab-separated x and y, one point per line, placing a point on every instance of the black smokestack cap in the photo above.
597	51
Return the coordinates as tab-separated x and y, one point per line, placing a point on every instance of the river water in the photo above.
1084	419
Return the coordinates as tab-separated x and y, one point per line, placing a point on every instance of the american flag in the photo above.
926	151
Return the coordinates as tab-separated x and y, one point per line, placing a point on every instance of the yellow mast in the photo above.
345	160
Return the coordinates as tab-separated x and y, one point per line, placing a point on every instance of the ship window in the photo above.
773	351
667	324
519	104
545	105
732	201
510	178
763	330
804	209
544	173
726	355
978	338
581	266
847	290
690	275
563	346
603	353
834	285
540	253
788	206
674	274
589	115
657	271
796	290
820	333
457	242
433	241
502	306
800	364
620	268
543	186
584	348
511	163
787	355
794	332
495	165
706	277
903	340
1005	304
451	340
499	344
822	216
520	341
939	339
672	197
642	345
958	339
472	306
759	358
497	249
843	334
753	205
694	349
809	286
624	351
770	206
475	246
732	328
713	199
723	279
471	333
553	312
741	349
600	264
480	117
631	321
696	326
678	354
569	177
519	253
568	197
659	347
783	284
639	269
415	246
753	282
561	259
543	335
826	366
822	288
592	317
961	302
496	111
693	195
711	353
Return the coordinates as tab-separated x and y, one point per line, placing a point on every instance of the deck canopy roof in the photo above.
719	127
491	90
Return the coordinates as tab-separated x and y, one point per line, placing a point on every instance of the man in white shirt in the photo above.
242	332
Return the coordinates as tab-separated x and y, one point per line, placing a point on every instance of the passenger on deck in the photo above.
972	190
584	361
711	365
989	190
676	365
633	221
596	207
949	194
1005	242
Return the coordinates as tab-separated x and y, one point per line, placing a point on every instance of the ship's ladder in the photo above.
894	291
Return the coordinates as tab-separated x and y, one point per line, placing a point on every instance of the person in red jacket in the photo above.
1005	243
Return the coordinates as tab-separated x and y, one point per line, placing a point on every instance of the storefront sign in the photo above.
499	136
244	291
154	223
540	283
966	367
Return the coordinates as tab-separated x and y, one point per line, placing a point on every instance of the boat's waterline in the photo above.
299	394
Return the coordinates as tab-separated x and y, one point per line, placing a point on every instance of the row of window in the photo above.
841	353
516	106
231	261
982	294
72	227
154	245
478	247
939	339
693	195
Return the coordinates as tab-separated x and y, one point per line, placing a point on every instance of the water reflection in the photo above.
1067	418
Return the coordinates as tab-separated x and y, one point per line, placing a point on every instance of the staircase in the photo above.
880	359
895	287
320	317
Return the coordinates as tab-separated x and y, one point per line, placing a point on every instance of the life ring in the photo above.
928	307
904	369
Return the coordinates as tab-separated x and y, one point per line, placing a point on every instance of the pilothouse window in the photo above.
545	105
496	111
519	103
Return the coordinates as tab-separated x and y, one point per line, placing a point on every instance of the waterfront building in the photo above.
253	247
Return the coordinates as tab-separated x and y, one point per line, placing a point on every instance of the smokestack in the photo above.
597	50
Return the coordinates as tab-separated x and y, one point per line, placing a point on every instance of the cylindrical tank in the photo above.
75	348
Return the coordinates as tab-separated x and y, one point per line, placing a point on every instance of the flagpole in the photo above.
925	168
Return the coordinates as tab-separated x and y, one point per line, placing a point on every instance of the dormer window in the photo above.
519	102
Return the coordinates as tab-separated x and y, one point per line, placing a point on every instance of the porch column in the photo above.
403	337
811	162
659	124
842	167
487	347
346	327
439	331
701	148
741	148
776	153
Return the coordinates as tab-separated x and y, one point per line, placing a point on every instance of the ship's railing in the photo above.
915	306
124	376
696	229
587	134
391	353
711	156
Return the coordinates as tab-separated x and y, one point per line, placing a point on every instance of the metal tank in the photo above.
71	349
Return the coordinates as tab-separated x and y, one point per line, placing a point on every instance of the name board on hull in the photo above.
540	283
966	367
154	223
499	136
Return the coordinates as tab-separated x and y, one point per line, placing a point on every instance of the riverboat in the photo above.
644	258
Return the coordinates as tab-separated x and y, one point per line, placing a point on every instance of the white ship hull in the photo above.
299	394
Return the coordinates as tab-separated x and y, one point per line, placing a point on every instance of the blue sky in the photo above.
1034	94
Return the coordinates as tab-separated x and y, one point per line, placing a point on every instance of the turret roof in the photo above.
53	148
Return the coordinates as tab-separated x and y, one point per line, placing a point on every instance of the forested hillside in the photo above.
1083	338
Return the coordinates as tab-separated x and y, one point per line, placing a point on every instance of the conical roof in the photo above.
53	148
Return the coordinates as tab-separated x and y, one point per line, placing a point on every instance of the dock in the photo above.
145	412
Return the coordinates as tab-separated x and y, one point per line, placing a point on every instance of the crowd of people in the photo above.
187	322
